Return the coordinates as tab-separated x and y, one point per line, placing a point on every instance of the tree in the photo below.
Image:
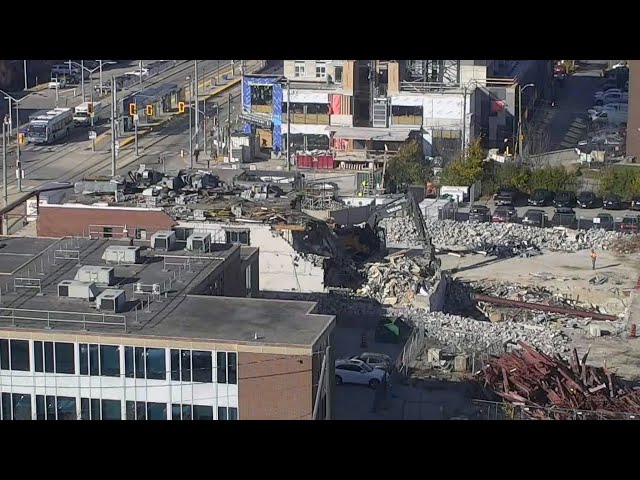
554	179
623	181
465	171
406	167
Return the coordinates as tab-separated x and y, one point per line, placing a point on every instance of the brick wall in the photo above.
274	387
60	221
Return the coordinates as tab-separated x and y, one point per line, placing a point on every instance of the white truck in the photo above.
82	114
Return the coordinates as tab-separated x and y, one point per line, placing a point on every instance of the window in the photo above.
66	407
50	407
139	359
65	358
232	370
141	411
156	364
84	359
20	360
4	354
130	410
185	362
156	411
107	232
238	236
337	73
187	412
40	411
37	357
95	409
85	412
21	402
181	412
6	406
221	364
94	362
109	361
201	412
321	70
111	410
227	413
49	357
175	365
202	366
176	412
298	69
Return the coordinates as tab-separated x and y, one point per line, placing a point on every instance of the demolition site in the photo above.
472	320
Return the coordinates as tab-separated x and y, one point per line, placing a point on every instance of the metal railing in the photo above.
54	316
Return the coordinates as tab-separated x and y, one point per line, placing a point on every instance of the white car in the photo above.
356	371
612	97
145	72
58	82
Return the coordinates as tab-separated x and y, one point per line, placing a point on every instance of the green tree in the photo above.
407	167
623	181
552	178
465	171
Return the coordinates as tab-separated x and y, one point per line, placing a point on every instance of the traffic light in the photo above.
181	107
132	109
21	138
149	109
90	108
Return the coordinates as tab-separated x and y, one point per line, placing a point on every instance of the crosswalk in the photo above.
39	148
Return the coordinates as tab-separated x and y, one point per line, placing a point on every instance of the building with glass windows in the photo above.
89	333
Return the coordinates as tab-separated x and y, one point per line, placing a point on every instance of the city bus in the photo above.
49	126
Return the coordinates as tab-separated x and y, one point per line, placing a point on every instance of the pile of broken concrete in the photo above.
496	238
399	280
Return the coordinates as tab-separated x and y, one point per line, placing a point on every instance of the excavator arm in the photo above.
409	205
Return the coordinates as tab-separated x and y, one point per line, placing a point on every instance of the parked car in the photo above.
587	200
635	203
604	221
540	198
504	214
375	360
506	196
564	199
58	82
629	224
356	371
479	214
612	202
564	217
535	218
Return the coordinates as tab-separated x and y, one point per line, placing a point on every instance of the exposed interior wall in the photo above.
281	267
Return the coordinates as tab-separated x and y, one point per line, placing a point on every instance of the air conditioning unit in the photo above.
163	240
103	276
77	289
121	254
111	300
199	242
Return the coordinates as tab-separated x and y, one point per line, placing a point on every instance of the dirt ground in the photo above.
569	274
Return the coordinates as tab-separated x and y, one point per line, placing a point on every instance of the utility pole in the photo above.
140	66
197	119
5	196
190	131
100	61
82	78
464	123
372	82
288	125
18	164
229	128
204	125
135	132
113	126
26	85
241	67
519	121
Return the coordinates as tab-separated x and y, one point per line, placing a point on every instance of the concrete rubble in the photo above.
399	280
483	237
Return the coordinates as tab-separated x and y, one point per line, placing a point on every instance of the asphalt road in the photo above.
563	125
74	159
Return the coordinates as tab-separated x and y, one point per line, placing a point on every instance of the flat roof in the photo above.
174	314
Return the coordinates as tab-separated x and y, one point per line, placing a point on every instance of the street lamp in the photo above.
521	89
190	133
18	165
5	196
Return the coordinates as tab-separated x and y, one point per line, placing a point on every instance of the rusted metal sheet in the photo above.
543	308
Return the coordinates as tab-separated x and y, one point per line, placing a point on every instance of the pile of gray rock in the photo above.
398	280
469	335
450	234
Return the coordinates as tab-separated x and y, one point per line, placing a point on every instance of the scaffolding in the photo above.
320	197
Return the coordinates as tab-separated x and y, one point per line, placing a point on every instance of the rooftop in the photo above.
32	268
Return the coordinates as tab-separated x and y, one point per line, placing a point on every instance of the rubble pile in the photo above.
500	239
470	335
398	280
542	385
626	244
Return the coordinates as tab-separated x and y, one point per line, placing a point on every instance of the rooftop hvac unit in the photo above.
164	240
121	254
102	276
199	242
111	300
77	289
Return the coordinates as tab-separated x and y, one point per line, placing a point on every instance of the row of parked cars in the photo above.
509	196
562	217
